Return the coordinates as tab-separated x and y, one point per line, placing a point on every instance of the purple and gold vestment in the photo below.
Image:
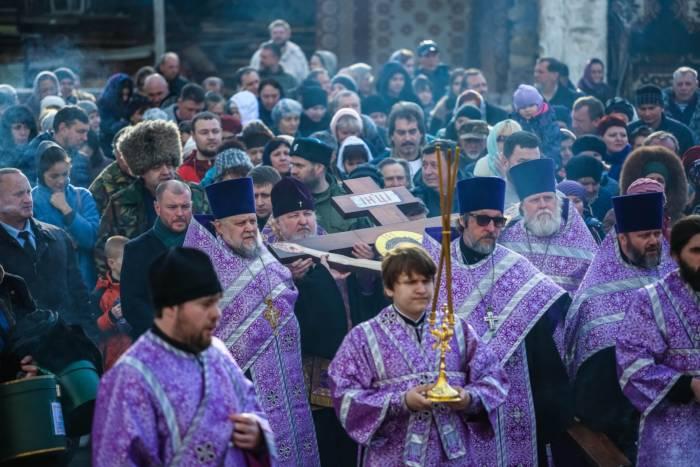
264	341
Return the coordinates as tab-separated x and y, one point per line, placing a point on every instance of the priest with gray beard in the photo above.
330	303
549	231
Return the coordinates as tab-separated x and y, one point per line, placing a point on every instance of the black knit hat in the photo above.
289	195
180	275
649	95
346	81
591	143
368	170
619	105
584	166
373	104
312	96
312	150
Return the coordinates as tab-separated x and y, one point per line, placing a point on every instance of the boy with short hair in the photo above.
382	372
114	330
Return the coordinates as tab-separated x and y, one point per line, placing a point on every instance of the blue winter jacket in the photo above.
82	228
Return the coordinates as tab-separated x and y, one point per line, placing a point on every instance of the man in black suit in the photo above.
173	206
42	254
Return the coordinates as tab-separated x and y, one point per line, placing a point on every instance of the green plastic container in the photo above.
79	382
31	419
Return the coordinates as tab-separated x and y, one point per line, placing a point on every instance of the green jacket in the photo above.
126	215
111	180
328	216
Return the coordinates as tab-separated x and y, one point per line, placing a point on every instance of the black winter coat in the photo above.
137	305
53	277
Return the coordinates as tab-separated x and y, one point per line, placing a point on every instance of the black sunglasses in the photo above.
483	220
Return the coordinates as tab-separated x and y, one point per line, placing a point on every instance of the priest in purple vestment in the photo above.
330	303
382	371
658	356
258	324
514	308
549	232
632	256
176	397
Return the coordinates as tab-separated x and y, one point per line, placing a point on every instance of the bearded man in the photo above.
330	303
658	356
632	256
258	324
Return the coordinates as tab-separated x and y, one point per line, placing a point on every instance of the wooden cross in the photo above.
491	319
384	206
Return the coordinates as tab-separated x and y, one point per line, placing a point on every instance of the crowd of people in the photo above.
137	223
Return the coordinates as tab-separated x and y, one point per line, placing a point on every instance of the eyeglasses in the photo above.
483	220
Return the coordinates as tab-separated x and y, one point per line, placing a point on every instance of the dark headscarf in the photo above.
15	114
388	71
601	90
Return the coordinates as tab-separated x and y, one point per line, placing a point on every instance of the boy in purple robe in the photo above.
514	309
632	256
385	366
176	397
658	356
258	325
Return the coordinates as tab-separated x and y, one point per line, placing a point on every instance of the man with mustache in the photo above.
633	255
549	231
257	324
513	307
173	207
177	397
658	356
330	303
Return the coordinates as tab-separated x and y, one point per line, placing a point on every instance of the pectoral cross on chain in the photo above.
491	319
271	314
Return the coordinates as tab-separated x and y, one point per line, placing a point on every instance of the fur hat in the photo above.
676	183
150	144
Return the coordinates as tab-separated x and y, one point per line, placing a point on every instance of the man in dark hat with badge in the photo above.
634	255
258	324
549	232
311	161
329	304
514	309
177	396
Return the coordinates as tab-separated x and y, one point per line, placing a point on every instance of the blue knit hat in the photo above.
481	193
525	96
231	197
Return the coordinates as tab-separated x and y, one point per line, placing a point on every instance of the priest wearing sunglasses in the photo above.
514	308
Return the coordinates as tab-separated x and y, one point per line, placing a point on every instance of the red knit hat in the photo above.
608	122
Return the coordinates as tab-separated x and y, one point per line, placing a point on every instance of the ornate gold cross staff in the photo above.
443	332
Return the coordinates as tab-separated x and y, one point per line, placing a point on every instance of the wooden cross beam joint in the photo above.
383	206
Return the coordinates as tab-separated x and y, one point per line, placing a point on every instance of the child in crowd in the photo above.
536	116
114	330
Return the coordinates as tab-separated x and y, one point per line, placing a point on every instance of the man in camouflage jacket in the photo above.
152	152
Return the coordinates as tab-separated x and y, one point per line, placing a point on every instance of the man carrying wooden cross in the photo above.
310	165
328	305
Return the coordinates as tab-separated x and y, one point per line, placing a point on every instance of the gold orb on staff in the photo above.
443	330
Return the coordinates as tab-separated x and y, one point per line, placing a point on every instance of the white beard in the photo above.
544	223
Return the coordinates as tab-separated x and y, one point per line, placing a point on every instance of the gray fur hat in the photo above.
150	144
